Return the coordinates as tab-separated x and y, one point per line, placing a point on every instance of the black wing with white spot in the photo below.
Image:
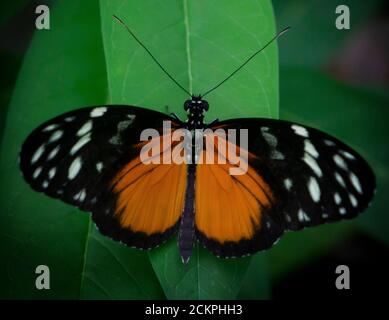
74	156
315	177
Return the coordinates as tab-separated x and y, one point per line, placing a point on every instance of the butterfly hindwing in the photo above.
313	179
76	157
234	213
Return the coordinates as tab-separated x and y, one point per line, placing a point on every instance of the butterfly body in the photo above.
195	108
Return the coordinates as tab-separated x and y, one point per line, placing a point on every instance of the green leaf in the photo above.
356	116
130	275
64	69
204	277
199	43
256	283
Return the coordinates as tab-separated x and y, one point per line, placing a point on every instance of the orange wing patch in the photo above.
150	196
229	207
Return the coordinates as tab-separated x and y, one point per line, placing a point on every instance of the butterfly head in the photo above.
196	108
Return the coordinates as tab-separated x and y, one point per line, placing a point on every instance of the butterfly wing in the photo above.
296	177
90	158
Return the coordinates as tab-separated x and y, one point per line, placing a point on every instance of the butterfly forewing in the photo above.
74	156
316	177
312	178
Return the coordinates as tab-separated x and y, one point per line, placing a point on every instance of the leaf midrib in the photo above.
187	45
190	84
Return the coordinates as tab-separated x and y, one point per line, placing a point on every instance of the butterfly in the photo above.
295	176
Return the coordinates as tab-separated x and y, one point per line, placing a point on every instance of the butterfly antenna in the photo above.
151	55
247	61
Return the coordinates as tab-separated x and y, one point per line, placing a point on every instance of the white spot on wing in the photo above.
276	155
85	128
337	198
270	139
340	180
38	154
52	173
99	166
56	135
80	196
340	162
342	210
53	153
353	200
299	130
50	127
74	168
80	143
69	119
123	125
302	216
115	140
288	184
98	112
329	143
311	162
37	172
314	189
309	147
45	184
346	154
355	181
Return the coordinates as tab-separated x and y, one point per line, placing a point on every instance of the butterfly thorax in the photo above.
195	108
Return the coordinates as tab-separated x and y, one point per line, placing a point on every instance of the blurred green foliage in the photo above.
88	59
314	40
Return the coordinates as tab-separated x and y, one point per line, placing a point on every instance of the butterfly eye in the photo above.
187	105
205	105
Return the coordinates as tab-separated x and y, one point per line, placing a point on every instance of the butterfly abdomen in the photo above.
187	229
